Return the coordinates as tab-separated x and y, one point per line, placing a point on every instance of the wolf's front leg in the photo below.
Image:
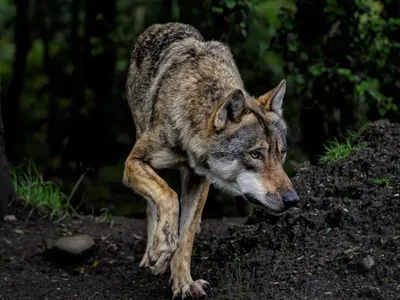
194	195
144	181
151	212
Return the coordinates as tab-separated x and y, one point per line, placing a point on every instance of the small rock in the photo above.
368	262
75	245
10	218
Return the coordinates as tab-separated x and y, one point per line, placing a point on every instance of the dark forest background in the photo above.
63	67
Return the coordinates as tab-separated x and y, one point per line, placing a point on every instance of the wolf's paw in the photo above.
189	288
144	263
161	252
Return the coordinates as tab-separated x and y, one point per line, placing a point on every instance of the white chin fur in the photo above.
221	170
223	175
250	183
225	186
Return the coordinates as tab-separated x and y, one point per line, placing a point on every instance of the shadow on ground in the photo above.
342	243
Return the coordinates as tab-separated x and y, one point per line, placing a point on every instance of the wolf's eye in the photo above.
255	155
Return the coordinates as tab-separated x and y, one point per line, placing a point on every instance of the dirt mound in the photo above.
343	243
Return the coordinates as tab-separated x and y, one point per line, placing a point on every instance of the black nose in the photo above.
290	199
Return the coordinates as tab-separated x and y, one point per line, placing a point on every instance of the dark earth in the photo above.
343	242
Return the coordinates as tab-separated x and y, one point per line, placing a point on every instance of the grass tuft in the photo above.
37	194
335	151
383	181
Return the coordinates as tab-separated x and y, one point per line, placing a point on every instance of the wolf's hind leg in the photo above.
151	211
141	177
194	195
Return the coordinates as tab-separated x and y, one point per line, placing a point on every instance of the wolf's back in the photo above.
149	55
152	43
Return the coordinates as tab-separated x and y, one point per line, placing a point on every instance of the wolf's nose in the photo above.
290	199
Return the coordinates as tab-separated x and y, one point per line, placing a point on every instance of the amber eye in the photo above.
255	155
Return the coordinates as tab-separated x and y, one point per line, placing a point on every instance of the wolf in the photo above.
192	113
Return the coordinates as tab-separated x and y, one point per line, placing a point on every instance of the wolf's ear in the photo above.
231	109
273	100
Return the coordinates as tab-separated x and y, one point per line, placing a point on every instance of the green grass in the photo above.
37	194
105	214
353	133
383	181
335	151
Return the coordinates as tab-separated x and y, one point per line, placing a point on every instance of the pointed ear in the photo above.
231	109
273	100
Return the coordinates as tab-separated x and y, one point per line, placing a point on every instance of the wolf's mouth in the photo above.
269	210
252	199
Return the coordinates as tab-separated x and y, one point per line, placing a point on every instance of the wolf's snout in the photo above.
290	199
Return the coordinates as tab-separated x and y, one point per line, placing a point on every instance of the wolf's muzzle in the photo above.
252	199
290	199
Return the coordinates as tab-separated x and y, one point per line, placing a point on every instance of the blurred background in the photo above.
63	67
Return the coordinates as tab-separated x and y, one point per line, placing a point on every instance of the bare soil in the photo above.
343	242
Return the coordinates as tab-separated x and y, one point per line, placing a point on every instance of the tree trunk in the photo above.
6	188
52	109
311	25
11	99
89	133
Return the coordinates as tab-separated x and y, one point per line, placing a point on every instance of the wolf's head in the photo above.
249	149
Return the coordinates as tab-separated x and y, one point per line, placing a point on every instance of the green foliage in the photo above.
7	12
36	193
335	151
7	48
46	197
341	58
